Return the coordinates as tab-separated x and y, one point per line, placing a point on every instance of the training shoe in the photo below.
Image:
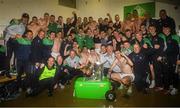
55	86
148	80
28	90
8	75
174	91
129	91
121	87
61	86
152	84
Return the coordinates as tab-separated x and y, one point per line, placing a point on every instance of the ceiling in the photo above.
174	2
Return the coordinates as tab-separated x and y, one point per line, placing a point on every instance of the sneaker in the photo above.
121	87
61	86
129	91
28	90
68	82
174	91
2	73
55	86
13	72
152	84
148	80
171	87
8	75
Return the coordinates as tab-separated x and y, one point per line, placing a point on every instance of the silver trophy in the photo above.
97	71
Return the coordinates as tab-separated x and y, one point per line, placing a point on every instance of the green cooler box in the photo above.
91	89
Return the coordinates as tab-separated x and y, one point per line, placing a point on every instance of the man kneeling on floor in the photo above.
121	71
47	78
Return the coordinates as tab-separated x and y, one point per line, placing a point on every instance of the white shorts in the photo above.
54	54
122	75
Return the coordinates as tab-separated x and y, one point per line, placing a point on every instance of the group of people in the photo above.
139	50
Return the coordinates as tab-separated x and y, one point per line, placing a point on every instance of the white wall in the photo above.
99	8
175	14
14	8
93	8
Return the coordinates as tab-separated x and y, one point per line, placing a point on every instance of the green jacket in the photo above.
127	51
47	41
52	27
80	40
175	37
2	49
23	48
23	41
147	40
89	42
